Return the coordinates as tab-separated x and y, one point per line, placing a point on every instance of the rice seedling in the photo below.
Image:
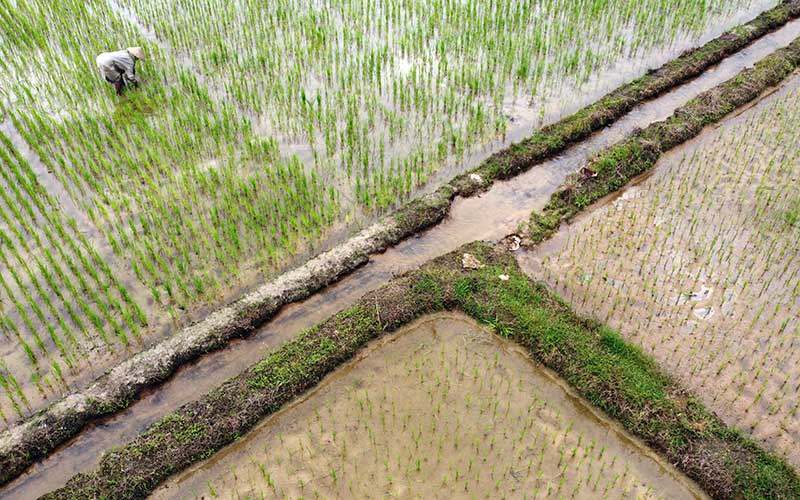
412	420
699	265
232	158
55	308
258	135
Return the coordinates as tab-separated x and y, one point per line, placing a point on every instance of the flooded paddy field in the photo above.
698	264
230	164
493	215
441	409
124	220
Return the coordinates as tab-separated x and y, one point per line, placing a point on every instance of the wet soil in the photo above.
697	263
486	282
441	409
90	356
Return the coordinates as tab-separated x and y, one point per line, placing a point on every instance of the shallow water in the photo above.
517	109
91	360
493	215
522	113
440	409
697	264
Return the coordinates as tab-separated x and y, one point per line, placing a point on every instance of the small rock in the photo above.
477	179
504	277
468	261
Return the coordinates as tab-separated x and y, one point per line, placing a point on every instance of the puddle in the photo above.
493	215
704	312
441	409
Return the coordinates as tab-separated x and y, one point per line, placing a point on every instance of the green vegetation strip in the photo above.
627	386
551	140
610	373
41	434
618	164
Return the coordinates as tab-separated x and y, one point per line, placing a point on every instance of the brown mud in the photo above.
459	412
617	165
89	360
692	304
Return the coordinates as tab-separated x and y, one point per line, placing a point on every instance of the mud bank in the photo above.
611	374
576	127
617	165
37	437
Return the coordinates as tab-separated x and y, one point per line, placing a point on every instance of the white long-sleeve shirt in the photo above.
116	64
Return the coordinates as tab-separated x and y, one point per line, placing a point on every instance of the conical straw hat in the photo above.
136	52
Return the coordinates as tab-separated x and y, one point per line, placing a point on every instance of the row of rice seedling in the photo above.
445	411
59	301
700	265
191	179
383	93
373	97
176	180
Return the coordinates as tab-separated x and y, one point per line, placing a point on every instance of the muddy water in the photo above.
442	409
85	225
49	181
491	216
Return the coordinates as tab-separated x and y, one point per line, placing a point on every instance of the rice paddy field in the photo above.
698	265
264	133
444	409
260	135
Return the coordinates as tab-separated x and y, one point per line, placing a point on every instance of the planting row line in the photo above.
706	254
607	371
59	301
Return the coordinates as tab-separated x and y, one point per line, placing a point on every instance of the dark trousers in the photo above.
120	83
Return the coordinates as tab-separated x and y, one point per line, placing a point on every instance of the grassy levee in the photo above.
38	436
618	164
606	370
610	373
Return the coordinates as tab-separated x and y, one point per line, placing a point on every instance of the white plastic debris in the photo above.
469	261
703	312
504	277
477	179
514	243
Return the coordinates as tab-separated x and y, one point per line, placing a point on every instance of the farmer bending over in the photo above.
119	68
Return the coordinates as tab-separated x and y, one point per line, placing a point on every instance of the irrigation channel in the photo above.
491	216
154	297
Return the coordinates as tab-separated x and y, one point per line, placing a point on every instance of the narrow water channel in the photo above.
491	216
